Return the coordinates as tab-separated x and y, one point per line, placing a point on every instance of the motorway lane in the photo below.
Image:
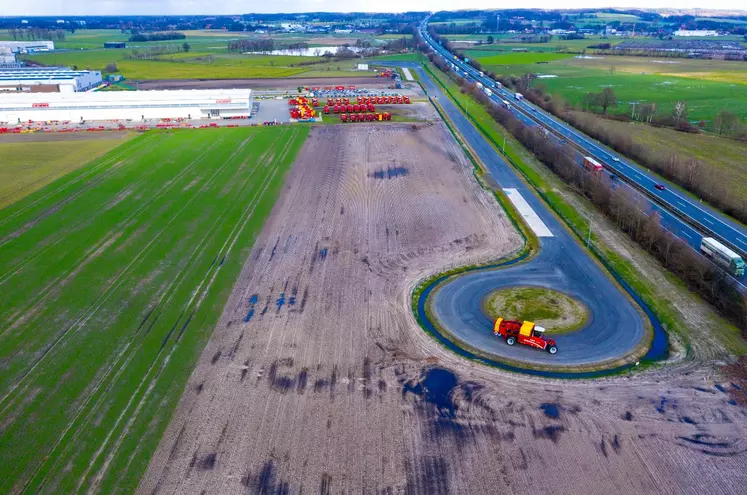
615	327
708	219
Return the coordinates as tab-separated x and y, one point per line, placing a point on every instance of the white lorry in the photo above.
519	96
722	255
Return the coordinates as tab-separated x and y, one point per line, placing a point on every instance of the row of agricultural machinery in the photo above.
363	103
365	117
302	108
373	100
349	108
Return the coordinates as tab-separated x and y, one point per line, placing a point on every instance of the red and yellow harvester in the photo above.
302	110
524	332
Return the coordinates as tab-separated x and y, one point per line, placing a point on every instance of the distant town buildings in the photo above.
695	32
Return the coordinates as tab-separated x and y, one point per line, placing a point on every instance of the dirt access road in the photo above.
318	378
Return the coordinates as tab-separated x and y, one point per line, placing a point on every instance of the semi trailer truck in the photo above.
722	256
592	165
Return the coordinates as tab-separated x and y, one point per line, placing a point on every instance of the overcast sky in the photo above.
115	7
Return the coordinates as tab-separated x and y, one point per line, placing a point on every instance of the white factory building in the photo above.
125	105
48	79
695	32
28	46
6	56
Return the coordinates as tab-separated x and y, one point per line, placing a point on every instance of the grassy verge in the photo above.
548	186
119	272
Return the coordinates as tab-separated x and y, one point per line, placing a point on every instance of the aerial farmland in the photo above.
118	272
286	272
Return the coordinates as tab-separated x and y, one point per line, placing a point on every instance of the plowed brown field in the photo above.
318	379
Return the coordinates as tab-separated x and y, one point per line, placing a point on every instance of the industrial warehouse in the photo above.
47	80
28	46
125	105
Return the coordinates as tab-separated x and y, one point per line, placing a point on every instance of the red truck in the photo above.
524	332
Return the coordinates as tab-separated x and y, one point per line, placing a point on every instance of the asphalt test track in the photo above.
615	327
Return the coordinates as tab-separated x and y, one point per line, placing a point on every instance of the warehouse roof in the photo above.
41	72
217	98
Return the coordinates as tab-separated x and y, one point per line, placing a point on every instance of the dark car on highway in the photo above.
660	187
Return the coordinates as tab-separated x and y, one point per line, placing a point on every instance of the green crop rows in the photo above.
111	281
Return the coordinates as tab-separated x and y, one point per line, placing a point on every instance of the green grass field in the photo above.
502	45
708	86
26	167
521	58
95	38
111	281
179	66
208	65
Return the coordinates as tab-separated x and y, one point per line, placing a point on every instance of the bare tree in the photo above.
525	81
607	98
589	101
679	112
725	123
647	112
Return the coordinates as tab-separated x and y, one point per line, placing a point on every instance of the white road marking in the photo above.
408	76
528	214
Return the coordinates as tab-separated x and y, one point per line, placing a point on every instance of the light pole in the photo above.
588	236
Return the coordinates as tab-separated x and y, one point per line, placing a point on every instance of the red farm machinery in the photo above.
524	332
302	109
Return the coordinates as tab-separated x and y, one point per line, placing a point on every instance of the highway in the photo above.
615	328
682	214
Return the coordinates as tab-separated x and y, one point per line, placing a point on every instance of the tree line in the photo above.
265	45
36	33
627	210
139	37
153	52
707	182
